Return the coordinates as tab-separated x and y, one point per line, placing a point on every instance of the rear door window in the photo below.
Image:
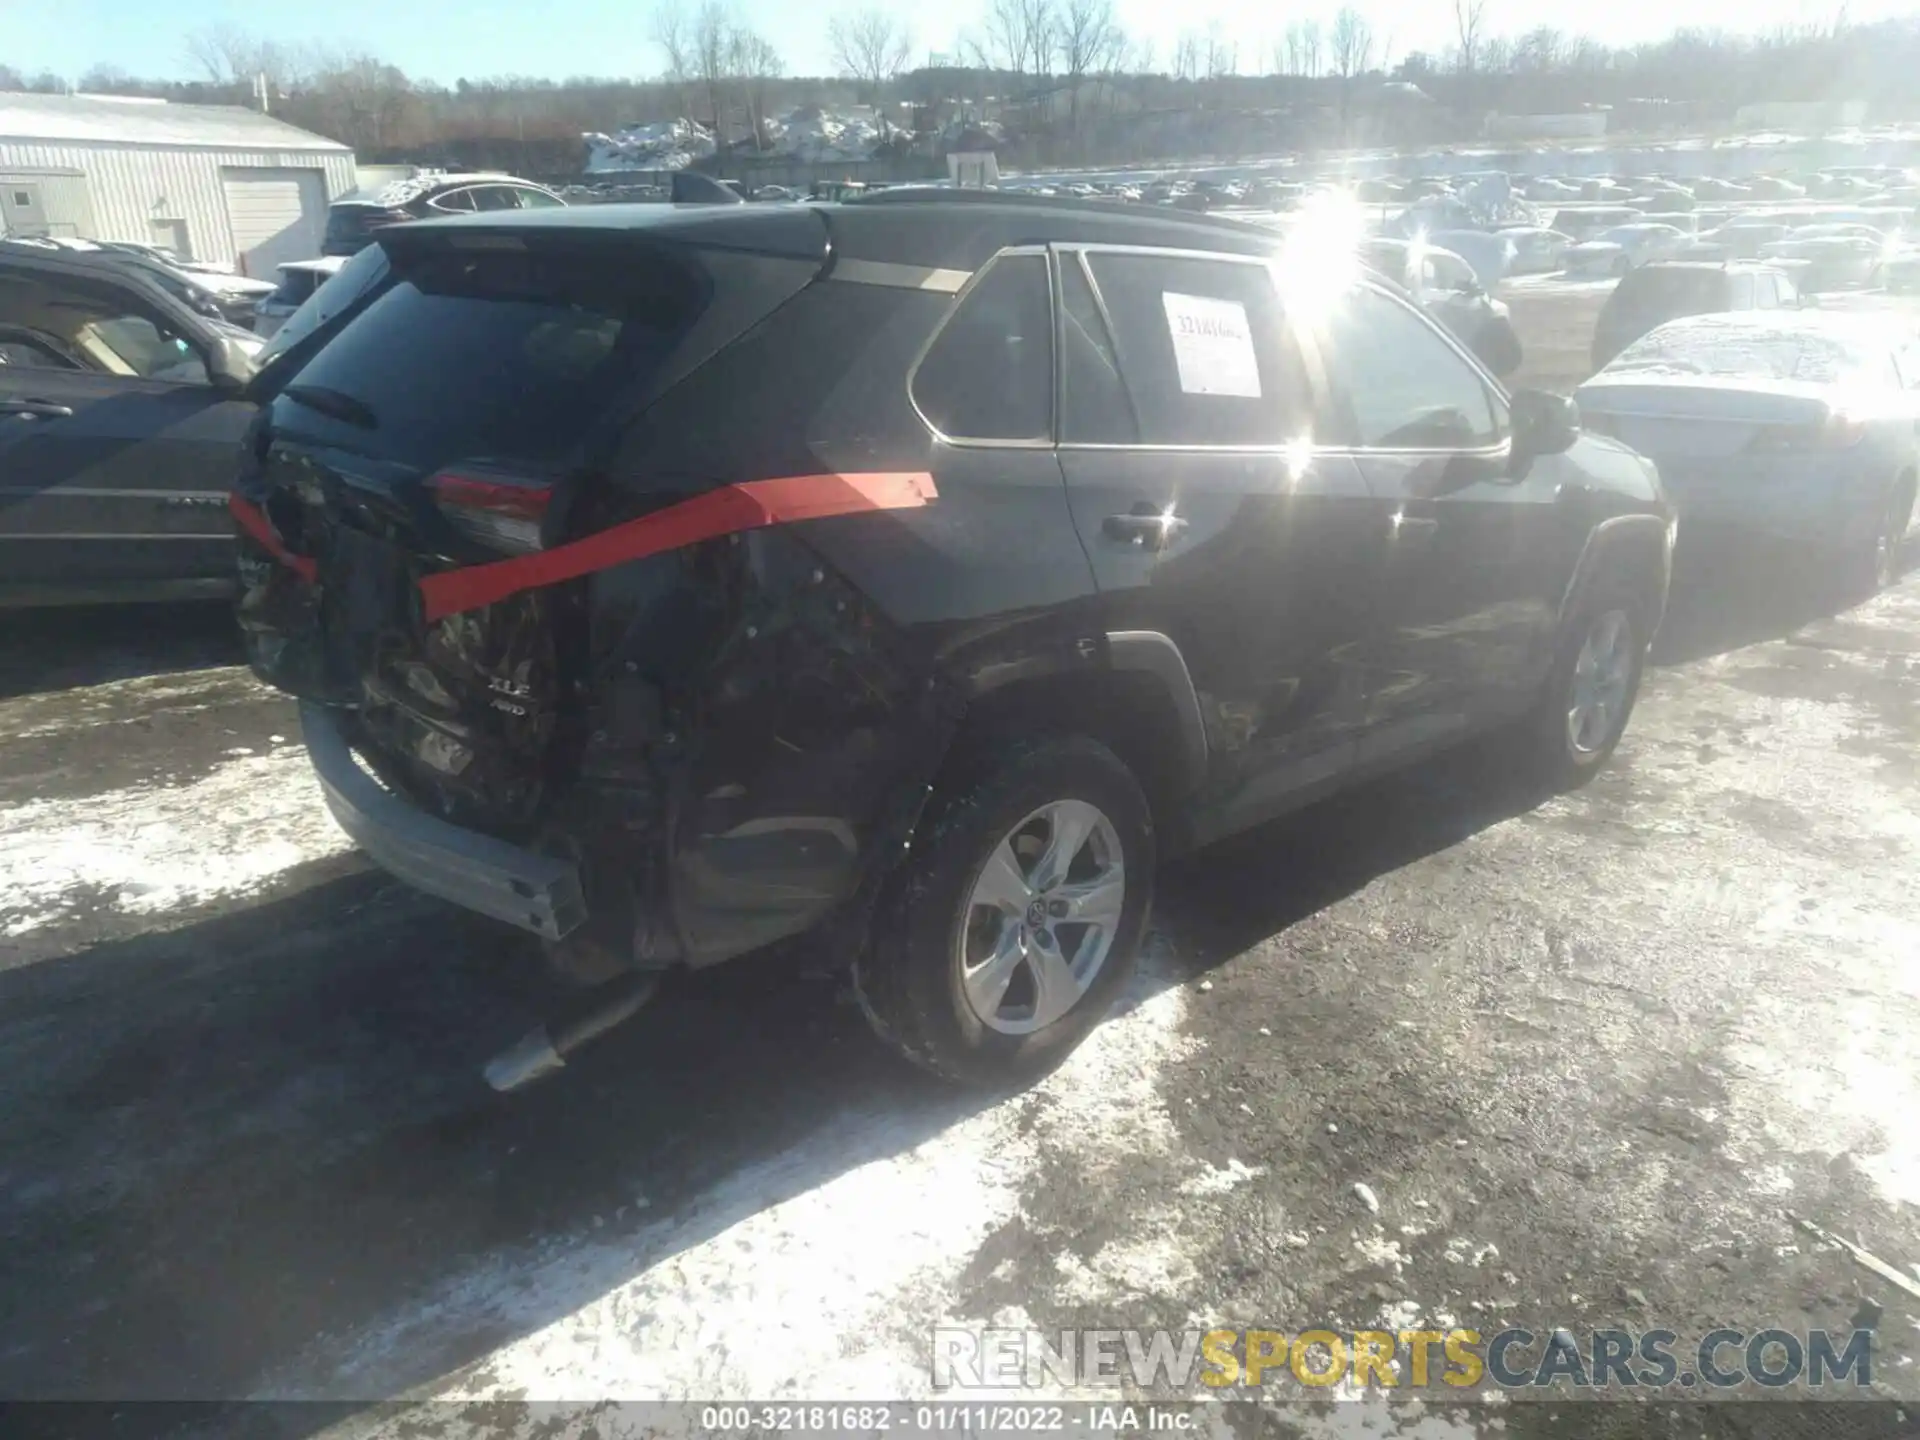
989	372
1204	348
495	354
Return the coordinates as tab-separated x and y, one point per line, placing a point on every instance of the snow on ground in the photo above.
831	1293
169	840
808	134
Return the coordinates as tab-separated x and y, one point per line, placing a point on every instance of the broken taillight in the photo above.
494	508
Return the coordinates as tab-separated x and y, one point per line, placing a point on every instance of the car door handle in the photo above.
1145	525
1413	527
36	409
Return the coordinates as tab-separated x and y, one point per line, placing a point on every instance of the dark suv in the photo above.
670	581
351	224
1669	289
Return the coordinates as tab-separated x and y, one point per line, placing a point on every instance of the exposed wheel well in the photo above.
1633	562
1128	711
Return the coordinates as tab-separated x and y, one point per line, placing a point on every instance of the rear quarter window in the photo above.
989	373
504	355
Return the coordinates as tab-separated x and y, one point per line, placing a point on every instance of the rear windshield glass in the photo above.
1751	354
504	355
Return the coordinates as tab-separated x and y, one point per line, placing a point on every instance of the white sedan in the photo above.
1624	247
1786	425
1537	251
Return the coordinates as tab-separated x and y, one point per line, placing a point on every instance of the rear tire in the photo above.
1590	691
977	969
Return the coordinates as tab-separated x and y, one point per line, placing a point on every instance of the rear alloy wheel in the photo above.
1016	919
1589	693
1041	917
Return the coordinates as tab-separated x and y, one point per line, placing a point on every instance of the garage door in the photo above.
276	215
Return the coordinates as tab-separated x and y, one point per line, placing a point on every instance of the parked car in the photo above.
1832	262
1616	251
298	280
1537	251
1668	289
707	577
1710	187
1444	285
1584	222
1739	239
1489	253
1900	270
352	223
1796	427
215	293
120	417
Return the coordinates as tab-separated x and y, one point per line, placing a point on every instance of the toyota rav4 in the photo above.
918	571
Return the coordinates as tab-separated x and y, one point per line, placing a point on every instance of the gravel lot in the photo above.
1586	1053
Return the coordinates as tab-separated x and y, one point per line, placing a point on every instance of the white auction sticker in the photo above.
1212	345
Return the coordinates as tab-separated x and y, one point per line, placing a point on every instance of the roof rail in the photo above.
946	195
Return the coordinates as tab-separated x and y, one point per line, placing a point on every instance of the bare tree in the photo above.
1467	29
1351	43
1019	39
1541	50
231	56
712	51
673	33
1086	35
752	59
364	100
1351	50
871	48
1186	56
1222	55
1310	47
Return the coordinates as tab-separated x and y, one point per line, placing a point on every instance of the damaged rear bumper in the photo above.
538	893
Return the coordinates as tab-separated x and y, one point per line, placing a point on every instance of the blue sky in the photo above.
444	40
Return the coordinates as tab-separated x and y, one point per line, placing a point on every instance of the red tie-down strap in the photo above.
726	511
253	520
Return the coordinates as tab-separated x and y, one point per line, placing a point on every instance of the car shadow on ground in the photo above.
1727	595
58	649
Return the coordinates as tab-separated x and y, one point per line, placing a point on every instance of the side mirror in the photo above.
229	367
1543	424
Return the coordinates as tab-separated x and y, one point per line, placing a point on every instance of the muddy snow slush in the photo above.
917	571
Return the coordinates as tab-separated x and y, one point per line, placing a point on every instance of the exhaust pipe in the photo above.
544	1049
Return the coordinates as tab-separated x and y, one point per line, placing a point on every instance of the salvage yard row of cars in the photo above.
911	573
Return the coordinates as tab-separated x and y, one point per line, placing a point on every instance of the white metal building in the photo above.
212	182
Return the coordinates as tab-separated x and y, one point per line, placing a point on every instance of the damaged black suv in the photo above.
916	571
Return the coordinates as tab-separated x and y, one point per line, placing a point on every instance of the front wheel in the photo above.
1876	564
1590	691
1016	919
